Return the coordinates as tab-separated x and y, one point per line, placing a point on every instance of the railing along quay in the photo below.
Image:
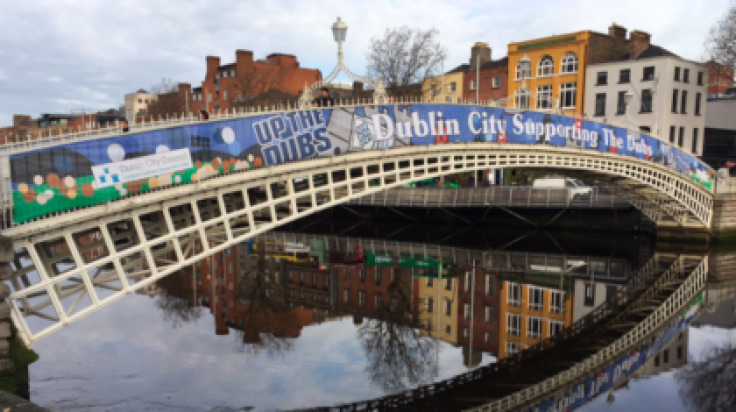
506	196
640	288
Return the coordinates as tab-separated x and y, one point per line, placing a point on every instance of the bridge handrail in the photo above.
620	300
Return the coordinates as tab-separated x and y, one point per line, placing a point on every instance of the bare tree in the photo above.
170	99
404	55
708	384
251	83
175	302
721	42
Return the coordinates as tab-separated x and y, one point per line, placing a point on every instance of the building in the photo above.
24	128
719	143
136	104
652	90
233	84
550	71
429	288
720	78
486	80
445	88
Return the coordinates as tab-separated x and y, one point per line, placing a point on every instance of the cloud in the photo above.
113	49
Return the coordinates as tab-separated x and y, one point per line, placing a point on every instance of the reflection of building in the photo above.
478	312
589	293
672	356
429	288
530	311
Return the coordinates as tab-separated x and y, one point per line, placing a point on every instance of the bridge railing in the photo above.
612	306
182	119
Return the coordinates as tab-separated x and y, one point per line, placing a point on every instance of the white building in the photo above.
666	96
137	104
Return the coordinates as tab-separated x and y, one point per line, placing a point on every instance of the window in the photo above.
430	281
487	336
514	294
523	69
601	79
648	73
567	95
677	74
378	276
488	313
448	284
555	328
453	87
448	306
686	75
681	140
700	78
361	298
589	296
378	300
347	274
546	66
621	103
600	104
522	98
490	283
224	95
466	282
394	305
544	97
557	301
466	311
433	90
534	328
465	332
695	141
624	76
496	83
674	100
673	132
698	97
536	299
646	101
361	275
683	102
473	84
429	302
346	296
513	324
512	348
666	356
570	63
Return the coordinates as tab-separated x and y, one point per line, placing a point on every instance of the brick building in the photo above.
490	82
478	308
229	85
720	78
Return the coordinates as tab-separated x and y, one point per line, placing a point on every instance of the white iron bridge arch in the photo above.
105	251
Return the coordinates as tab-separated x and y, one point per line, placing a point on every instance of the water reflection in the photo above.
412	322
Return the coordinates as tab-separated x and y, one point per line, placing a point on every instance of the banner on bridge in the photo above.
63	177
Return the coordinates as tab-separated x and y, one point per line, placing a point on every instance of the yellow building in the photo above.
447	307
452	92
529	313
550	71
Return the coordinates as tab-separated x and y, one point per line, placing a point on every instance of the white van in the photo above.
575	188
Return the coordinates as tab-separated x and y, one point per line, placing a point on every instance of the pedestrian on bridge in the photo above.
324	99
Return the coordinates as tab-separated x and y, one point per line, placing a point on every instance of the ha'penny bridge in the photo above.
89	218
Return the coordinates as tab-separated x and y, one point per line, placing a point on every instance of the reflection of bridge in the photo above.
111	249
647	303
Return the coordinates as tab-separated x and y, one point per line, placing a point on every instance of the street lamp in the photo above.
339	32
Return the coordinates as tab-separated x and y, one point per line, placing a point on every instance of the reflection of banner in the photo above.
69	176
598	383
141	167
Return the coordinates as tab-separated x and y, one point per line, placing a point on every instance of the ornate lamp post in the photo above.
339	32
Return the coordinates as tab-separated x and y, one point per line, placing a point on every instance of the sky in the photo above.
65	56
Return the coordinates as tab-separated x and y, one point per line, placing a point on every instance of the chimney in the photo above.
638	42
213	63
617	32
243	58
481	53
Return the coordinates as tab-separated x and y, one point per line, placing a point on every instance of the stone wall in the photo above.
724	217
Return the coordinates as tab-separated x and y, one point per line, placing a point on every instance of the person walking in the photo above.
324	99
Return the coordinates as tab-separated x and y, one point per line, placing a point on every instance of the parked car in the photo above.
575	188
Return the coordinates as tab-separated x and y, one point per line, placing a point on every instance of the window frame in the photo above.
569	63
546	66
600	104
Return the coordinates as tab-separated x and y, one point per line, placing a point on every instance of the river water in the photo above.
294	320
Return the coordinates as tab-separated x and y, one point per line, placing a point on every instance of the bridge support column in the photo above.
666	234
6	256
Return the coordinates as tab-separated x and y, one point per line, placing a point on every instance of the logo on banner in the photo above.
141	167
